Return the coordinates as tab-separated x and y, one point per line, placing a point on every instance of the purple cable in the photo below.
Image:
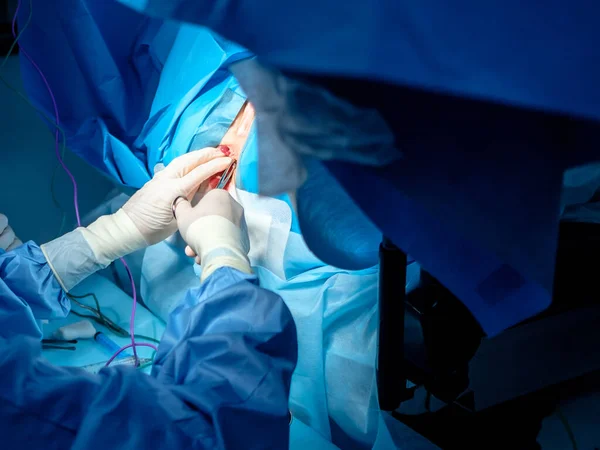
56	135
131	319
133	344
75	197
142	344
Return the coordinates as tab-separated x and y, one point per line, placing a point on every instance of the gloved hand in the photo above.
150	207
147	218
216	232
8	240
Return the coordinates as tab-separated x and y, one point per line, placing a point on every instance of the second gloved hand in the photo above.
147	218
216	232
150	208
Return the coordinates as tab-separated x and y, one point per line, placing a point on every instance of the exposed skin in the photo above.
231	145
238	132
234	140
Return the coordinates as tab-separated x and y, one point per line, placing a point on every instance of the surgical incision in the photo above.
235	139
238	132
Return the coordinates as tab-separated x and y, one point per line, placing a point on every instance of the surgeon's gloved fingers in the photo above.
7	238
191	182
184	164
192	254
114	236
150	208
215	231
217	202
183	212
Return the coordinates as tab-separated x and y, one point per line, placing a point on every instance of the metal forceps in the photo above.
58	344
226	177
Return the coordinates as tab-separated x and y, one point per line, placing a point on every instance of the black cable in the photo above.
102	319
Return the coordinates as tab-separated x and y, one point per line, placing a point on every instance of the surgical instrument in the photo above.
100	318
58	344
226	177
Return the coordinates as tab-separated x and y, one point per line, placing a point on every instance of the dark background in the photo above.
7	10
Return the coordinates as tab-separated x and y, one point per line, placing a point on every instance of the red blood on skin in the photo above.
214	181
225	150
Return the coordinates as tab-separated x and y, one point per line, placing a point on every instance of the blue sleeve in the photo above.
221	379
29	292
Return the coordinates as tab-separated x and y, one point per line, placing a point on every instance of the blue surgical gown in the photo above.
221	376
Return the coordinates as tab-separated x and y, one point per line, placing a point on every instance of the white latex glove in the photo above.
147	217
150	208
8	239
215	231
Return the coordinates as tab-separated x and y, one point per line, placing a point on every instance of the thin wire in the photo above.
139	344
118	331
54	105
56	124
102	321
131	320
101	318
81	297
19	94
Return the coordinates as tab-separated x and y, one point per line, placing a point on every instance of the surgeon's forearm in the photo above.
82	252
29	292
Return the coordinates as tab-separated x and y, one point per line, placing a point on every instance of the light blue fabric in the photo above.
335	312
334	387
196	96
24	274
115	304
220	378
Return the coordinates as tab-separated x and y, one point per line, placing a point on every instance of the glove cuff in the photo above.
71	259
219	243
78	254
113	236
